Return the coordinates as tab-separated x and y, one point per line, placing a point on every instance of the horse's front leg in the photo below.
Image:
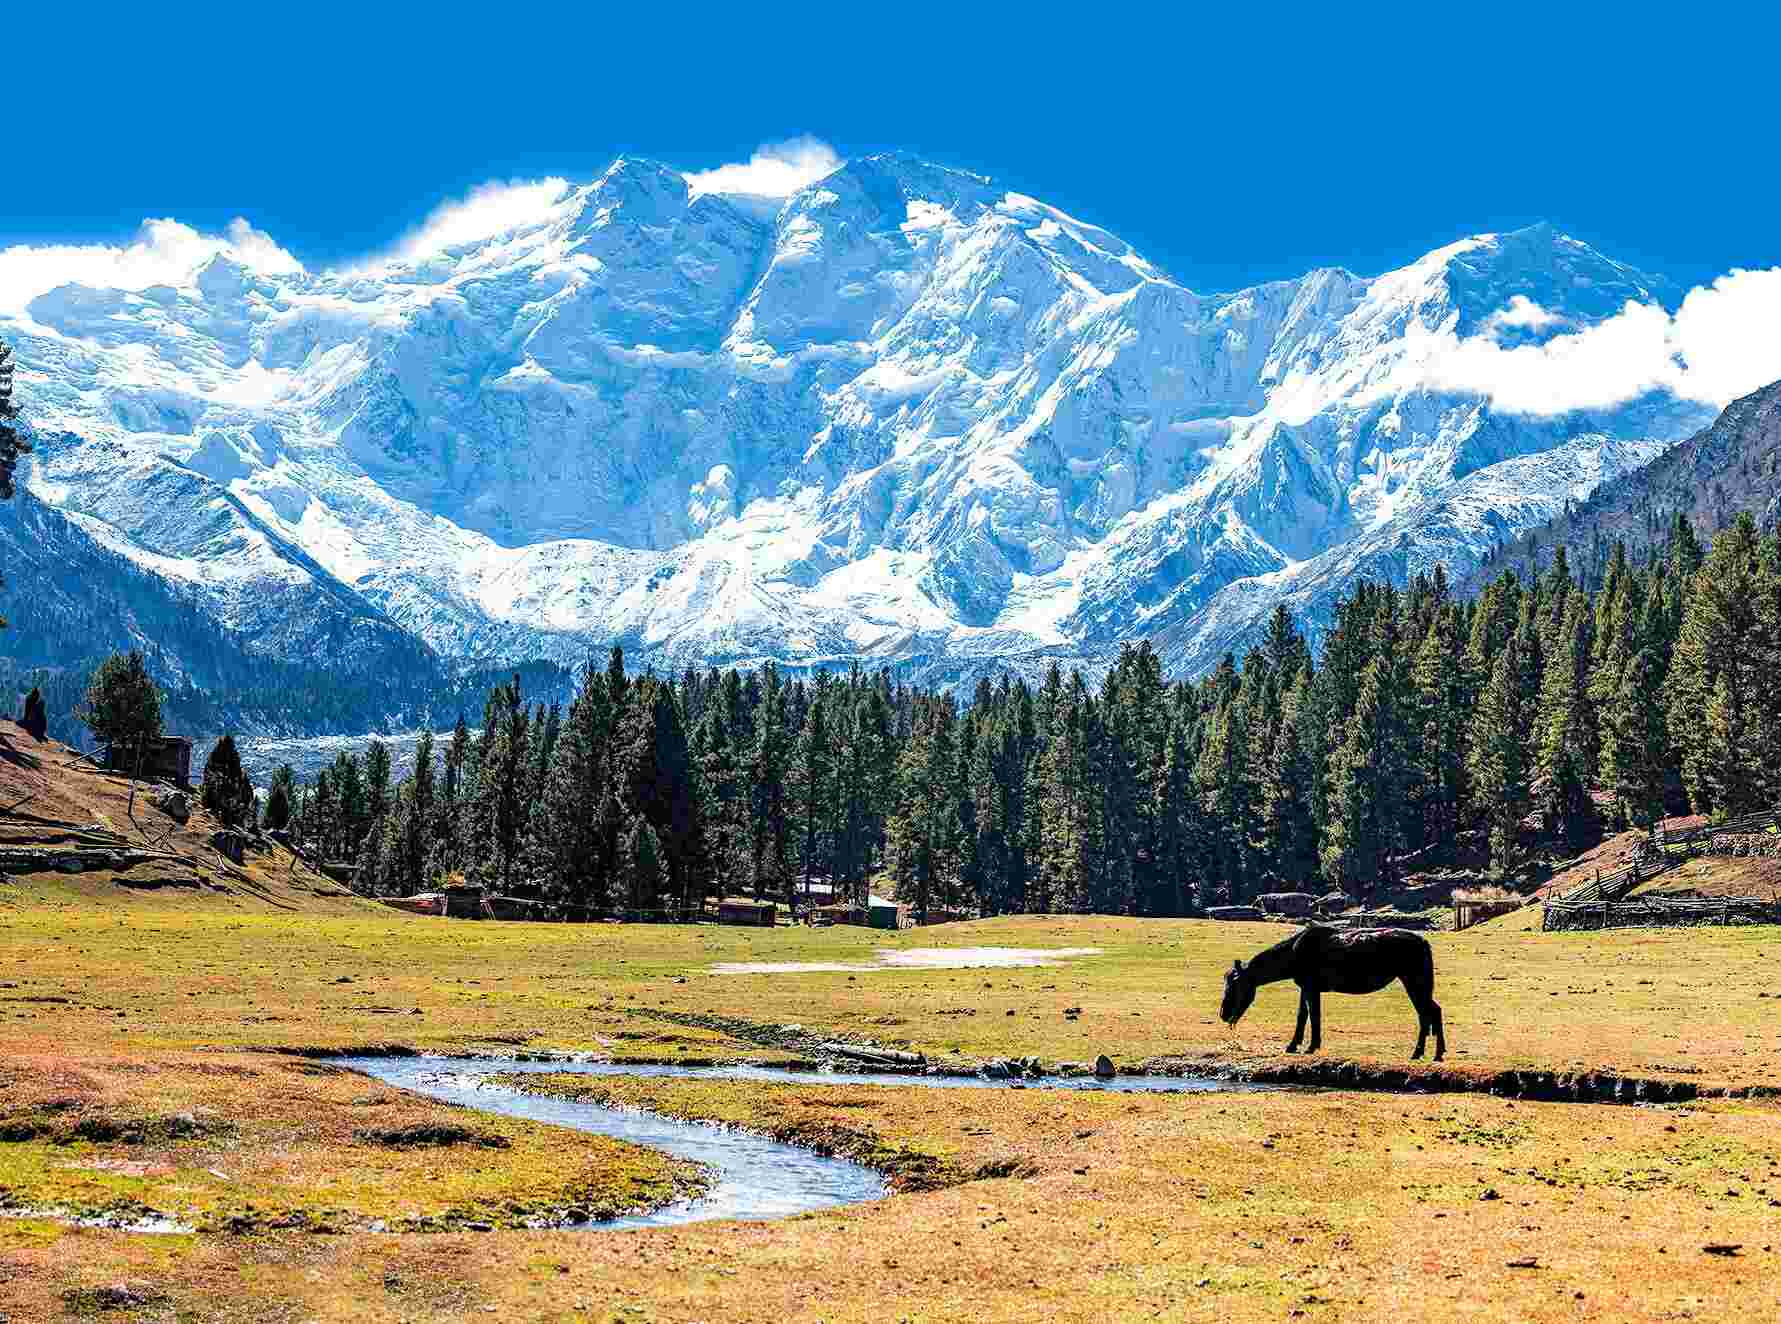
1314	996
1298	1035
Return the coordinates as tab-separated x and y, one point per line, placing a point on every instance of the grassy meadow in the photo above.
151	1069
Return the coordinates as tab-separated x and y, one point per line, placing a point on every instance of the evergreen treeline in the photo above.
1428	720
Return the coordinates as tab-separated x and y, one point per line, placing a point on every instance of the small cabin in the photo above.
164	758
739	910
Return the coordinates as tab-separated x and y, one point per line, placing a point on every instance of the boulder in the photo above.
1333	903
174	804
230	845
1296	904
1104	1067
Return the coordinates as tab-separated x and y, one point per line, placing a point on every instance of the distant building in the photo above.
166	758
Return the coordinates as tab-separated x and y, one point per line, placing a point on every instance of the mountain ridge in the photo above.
908	418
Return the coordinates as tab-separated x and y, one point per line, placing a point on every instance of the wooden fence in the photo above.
1612	886
1763	821
1604	901
1638	912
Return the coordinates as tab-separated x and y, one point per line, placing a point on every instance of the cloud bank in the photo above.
776	170
164	252
487	210
1723	342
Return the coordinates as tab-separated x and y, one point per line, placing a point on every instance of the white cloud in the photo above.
258	250
776	170
164	252
1524	314
487	210
1724	342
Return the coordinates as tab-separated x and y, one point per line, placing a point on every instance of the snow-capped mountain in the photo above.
903	416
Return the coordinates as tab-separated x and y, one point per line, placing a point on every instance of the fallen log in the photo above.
877	1056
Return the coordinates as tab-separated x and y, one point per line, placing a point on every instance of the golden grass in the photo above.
236	1143
1689	1004
1239	1207
1251	1206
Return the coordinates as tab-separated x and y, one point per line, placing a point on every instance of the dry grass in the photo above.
1691	1004
1342	1206
1255	1207
235	1143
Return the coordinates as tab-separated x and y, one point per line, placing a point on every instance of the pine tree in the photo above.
1719	638
281	798
12	440
413	820
350	820
652	772
1438	717
563	851
226	790
122	705
1500	763
1223	785
1366	779
642	879
1286	807
377	781
811	773
498	812
1635	739
770	870
723	807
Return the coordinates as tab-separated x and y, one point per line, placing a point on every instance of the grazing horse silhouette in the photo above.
1323	960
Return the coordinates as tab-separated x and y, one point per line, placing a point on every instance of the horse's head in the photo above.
1239	992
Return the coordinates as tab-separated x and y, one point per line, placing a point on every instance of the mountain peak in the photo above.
1562	277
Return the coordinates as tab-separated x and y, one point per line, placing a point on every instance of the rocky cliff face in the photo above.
905	417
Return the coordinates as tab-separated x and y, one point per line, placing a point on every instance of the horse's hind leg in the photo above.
1428	1015
1315	998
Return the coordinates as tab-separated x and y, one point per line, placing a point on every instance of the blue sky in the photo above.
1227	147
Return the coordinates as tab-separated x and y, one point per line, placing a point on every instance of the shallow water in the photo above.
756	1178
916	958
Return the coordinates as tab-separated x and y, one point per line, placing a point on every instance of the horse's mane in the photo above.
1269	963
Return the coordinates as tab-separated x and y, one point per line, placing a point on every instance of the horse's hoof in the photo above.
1292	1048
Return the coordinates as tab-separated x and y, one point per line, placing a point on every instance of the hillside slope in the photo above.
69	837
1731	466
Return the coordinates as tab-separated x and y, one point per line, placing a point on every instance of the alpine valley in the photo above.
903	417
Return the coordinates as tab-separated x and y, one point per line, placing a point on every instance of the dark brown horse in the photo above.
1323	960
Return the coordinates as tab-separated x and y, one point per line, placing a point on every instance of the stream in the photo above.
755	1178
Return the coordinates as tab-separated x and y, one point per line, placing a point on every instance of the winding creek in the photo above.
755	1178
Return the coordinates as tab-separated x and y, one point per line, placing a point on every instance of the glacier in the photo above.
903	417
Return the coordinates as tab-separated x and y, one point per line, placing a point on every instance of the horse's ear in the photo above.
1237	966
